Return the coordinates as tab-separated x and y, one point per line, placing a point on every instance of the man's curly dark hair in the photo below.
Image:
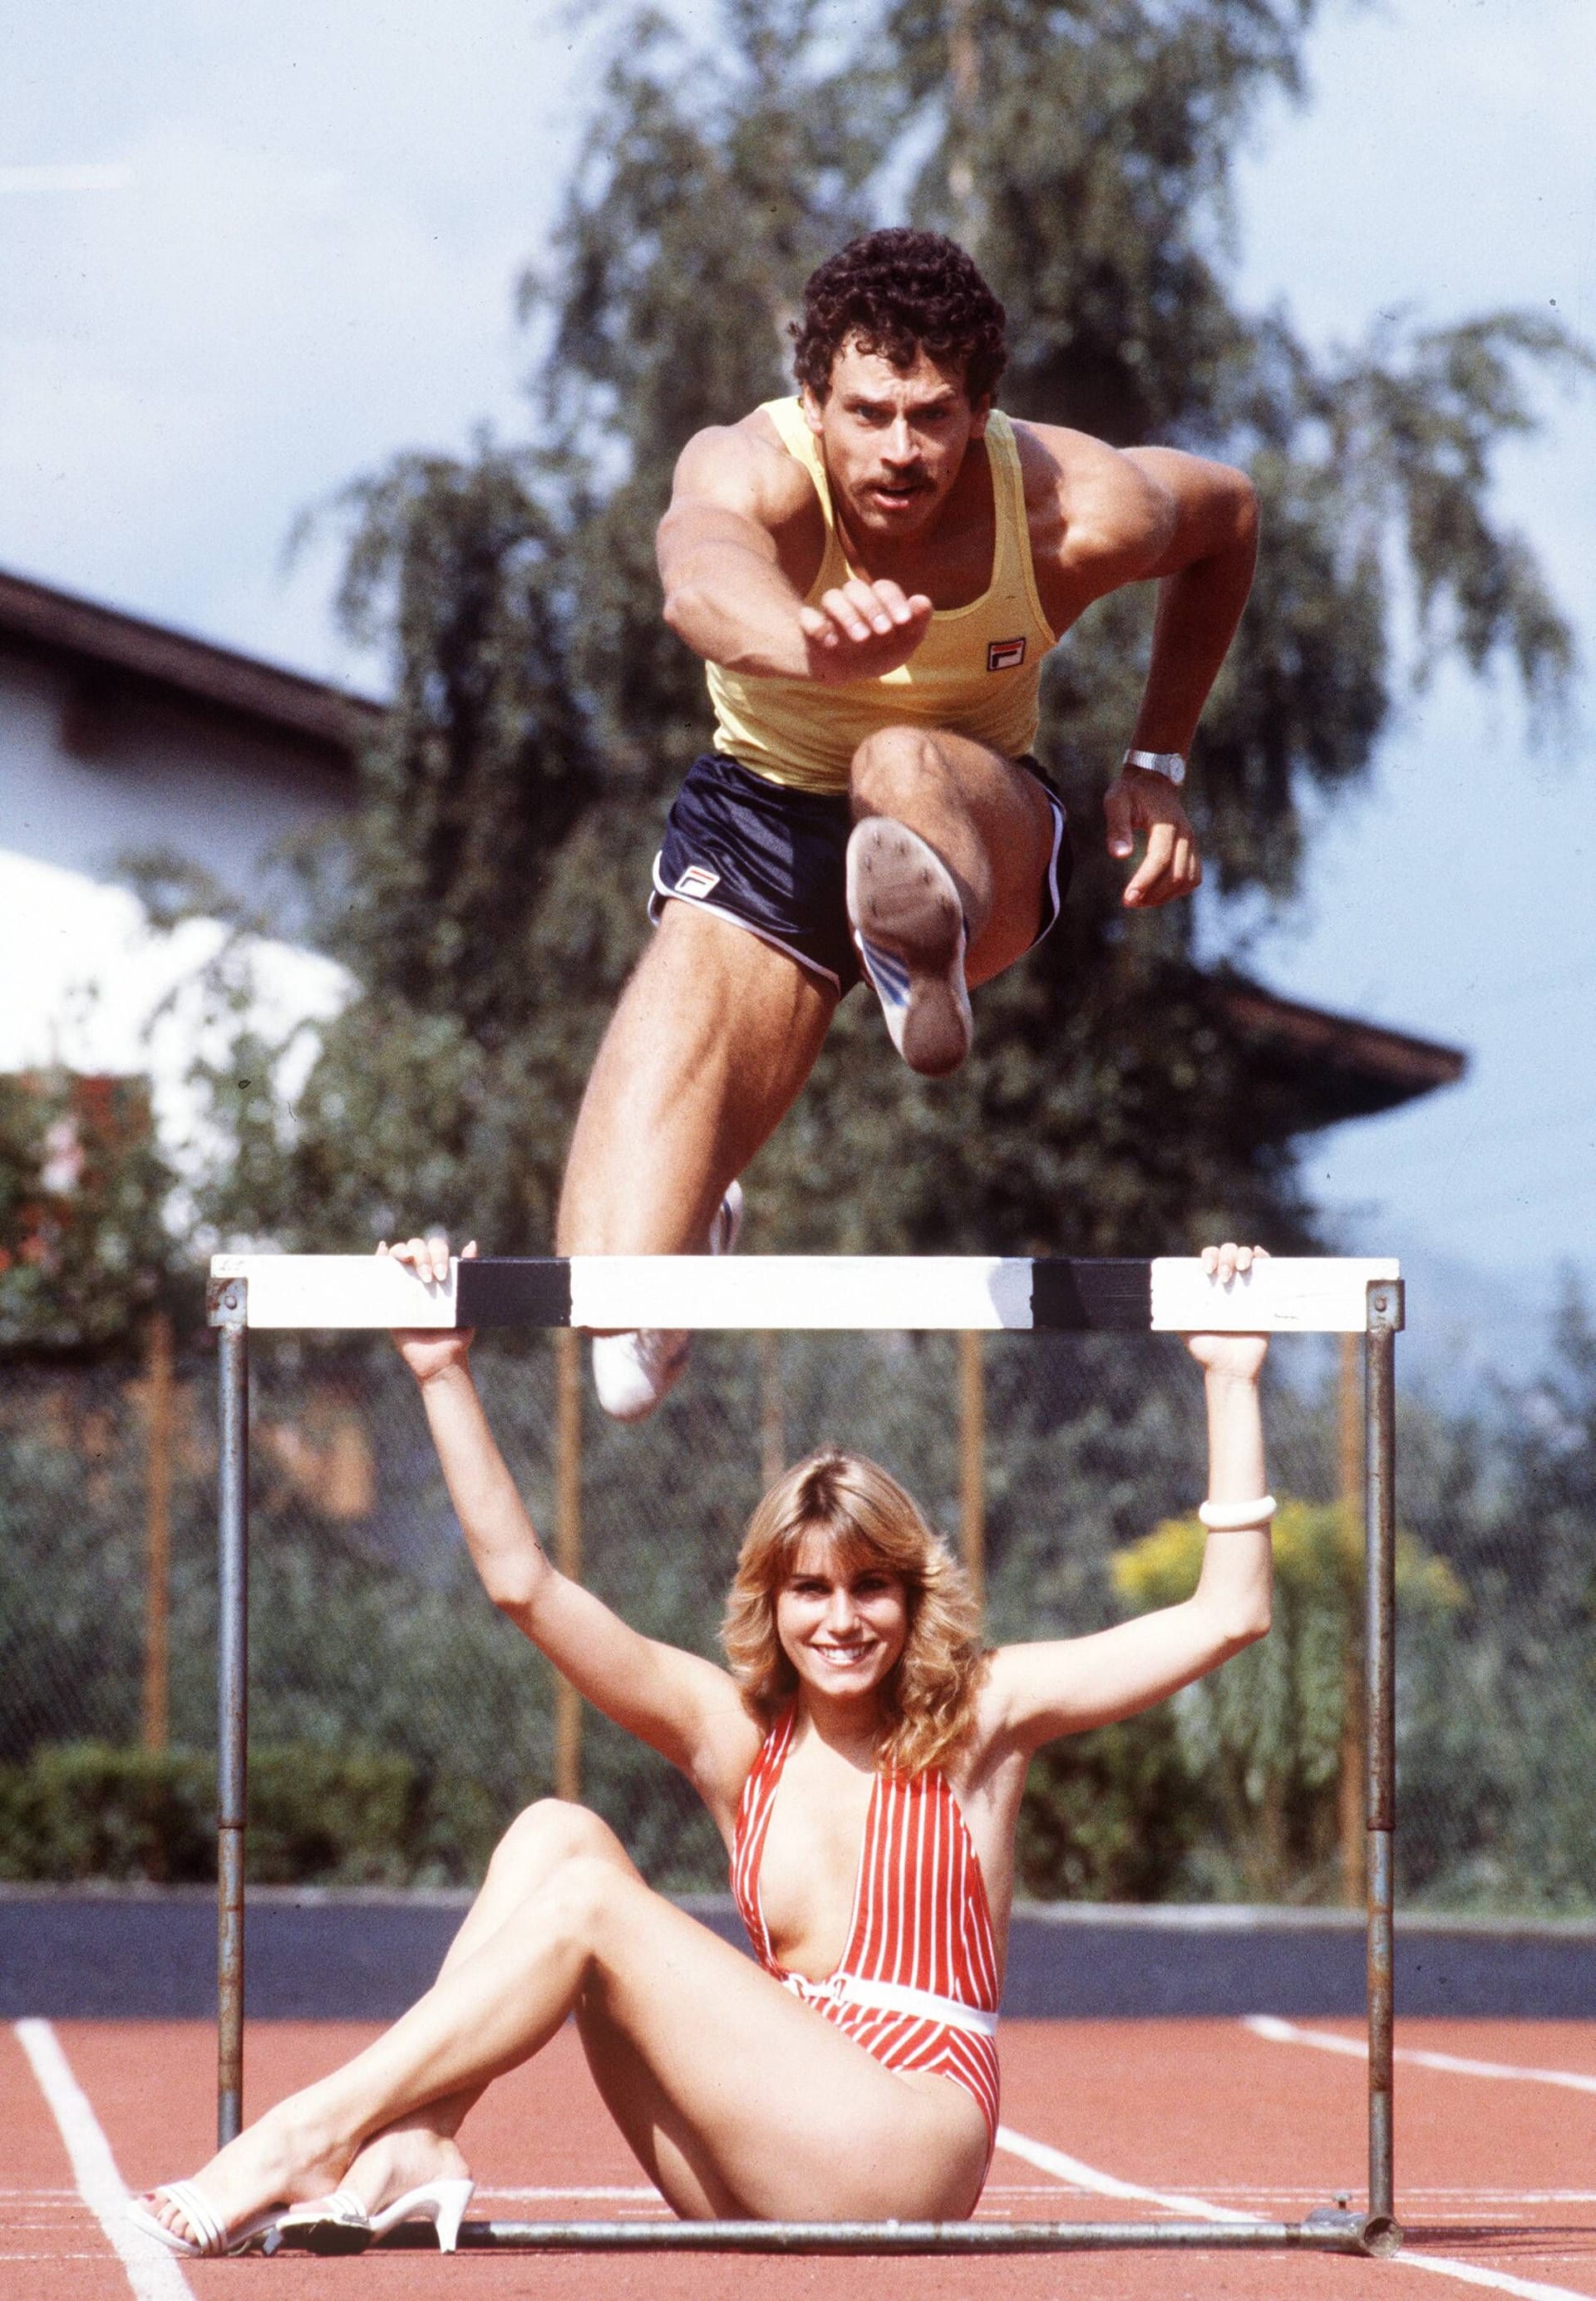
900	292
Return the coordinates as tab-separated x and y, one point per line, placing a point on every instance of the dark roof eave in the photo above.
1353	1069
57	623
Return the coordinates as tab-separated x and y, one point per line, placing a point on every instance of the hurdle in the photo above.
899	1294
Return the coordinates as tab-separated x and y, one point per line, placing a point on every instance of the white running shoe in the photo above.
908	927
632	1373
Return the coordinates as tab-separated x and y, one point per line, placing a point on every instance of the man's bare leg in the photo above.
928	923
713	1038
420	2147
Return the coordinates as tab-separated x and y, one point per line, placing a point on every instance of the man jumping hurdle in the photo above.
872	571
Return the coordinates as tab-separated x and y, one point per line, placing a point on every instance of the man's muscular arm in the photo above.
1132	516
1204	571
737	499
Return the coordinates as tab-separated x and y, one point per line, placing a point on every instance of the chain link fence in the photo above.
397	1722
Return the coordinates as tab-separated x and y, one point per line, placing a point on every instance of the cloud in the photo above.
66	177
308	266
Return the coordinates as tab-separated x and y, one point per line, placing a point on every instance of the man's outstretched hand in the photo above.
862	629
1137	801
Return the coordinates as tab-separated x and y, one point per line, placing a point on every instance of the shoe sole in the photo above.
333	2240
901	899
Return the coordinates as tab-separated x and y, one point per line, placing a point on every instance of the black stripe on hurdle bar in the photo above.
503	1292
1068	1296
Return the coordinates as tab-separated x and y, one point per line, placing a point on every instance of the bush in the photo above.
90	1810
1110	1816
1263	1740
317	1817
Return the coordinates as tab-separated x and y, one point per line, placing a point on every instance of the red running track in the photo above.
1496	2173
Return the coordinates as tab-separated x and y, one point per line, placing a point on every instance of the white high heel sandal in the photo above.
442	2202
340	2223
209	2240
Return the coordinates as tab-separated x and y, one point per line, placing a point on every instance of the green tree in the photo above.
84	1251
1499	1737
543	713
1262	1737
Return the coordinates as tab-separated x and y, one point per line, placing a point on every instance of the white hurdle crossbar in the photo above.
898	1294
901	1293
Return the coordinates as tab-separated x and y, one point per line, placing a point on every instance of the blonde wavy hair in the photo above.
929	1697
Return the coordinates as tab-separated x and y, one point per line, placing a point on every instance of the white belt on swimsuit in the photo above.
894	1998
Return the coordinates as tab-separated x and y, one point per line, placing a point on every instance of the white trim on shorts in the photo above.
663	894
1057	804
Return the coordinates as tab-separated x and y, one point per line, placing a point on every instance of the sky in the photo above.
1444	165
249	254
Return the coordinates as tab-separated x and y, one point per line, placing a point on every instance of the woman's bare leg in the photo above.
788	2120
734	2095
421	2146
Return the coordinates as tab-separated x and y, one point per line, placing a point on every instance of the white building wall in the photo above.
87	778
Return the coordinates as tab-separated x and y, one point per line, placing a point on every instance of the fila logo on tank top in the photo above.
975	672
917	1983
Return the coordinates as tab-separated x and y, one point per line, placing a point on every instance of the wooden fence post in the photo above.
568	1545
772	1430
158	1403
972	1426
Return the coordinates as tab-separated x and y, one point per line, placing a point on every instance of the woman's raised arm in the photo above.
683	1705
1038	1692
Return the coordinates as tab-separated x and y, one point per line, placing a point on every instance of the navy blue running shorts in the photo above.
771	860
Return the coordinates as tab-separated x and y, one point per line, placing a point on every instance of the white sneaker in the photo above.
908	927
632	1373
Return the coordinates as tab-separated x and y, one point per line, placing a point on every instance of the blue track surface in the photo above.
360	1957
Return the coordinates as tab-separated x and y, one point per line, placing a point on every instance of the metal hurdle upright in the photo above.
902	1293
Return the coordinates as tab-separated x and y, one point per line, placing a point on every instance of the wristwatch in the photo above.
1171	764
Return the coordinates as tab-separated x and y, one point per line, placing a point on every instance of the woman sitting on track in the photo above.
864	1761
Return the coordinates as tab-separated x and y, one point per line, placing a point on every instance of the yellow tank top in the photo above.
975	672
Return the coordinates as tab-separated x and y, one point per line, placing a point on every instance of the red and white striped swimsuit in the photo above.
917	1984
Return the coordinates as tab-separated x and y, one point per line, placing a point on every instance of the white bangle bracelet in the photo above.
1231	1517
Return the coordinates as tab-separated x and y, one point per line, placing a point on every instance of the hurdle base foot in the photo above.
1376	2234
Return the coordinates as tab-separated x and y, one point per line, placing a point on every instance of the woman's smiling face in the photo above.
842	1627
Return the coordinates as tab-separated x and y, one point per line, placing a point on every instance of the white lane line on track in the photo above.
151	2271
1090	2178
1327	2041
1498	2280
1048	2160
636	2193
